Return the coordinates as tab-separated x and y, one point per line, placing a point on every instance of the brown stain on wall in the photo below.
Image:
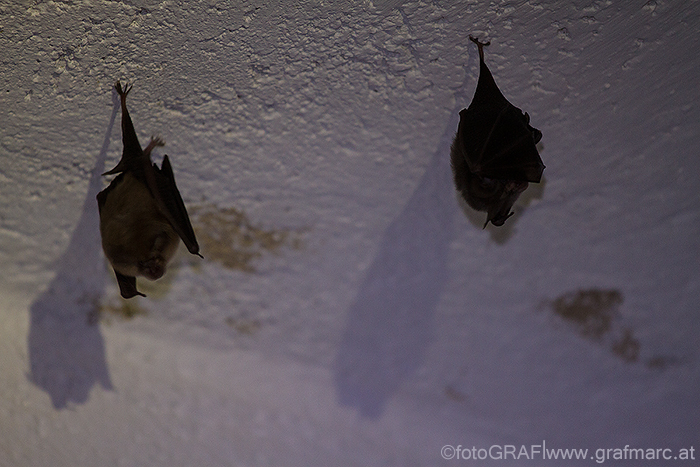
228	237
246	326
454	394
594	313
124	310
626	347
591	311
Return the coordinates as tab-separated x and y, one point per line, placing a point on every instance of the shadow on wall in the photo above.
390	324
66	349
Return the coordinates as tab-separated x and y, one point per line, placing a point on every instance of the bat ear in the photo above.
536	135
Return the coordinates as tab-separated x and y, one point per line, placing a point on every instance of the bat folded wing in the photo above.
500	143
170	204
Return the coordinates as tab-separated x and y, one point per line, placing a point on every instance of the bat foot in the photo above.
122	91
477	42
481	46
155	141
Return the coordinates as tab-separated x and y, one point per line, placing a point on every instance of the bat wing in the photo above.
127	285
499	142
161	183
102	195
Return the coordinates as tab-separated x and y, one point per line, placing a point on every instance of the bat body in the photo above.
142	215
494	154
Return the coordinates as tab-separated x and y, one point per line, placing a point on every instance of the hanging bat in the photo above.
142	215
494	154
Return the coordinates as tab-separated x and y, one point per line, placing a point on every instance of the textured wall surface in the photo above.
350	310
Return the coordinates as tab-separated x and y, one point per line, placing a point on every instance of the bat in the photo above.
494	153
142	215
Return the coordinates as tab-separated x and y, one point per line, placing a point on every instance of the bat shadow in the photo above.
66	348
390	323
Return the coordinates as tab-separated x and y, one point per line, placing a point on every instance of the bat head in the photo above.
499	207
152	268
499	219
